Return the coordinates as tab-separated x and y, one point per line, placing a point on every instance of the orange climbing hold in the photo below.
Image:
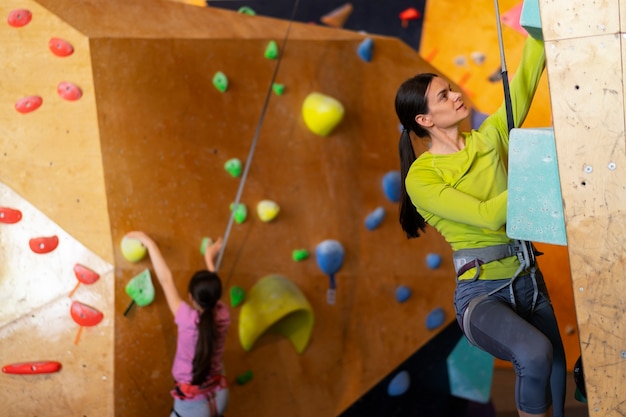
19	17
60	47
338	17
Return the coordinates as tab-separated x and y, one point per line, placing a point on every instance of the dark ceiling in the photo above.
372	16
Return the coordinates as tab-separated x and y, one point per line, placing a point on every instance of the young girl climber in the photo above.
201	389
459	186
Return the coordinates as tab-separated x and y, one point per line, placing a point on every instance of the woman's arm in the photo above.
522	87
211	252
444	201
162	271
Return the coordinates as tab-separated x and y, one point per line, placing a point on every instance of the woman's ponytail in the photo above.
410	220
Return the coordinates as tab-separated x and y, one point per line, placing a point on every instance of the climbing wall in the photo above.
585	59
137	137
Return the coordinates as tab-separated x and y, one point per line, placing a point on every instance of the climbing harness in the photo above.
184	391
466	259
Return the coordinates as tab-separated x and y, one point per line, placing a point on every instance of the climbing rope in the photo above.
255	139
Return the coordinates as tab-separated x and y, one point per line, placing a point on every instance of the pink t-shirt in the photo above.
187	321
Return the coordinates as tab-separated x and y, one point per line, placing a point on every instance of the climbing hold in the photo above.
9	215
32	368
433	260
338	17
277	303
375	218
299	255
403	293
478	57
69	91
233	167
43	244
271	51
244	378
530	19
237	294
132	249
409	14
267	210
399	384
84	275
321	113
28	104
392	186
246	10
60	47
365	49
460	61
330	254
278	89
140	288
205	243
220	81
470	372
19	17
84	316
241	212
435	318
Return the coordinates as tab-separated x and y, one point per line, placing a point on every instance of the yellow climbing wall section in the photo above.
461	40
585	59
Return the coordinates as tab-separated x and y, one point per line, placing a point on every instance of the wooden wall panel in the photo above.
586	77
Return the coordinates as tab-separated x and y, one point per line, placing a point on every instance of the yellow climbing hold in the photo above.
267	210
321	113
276	303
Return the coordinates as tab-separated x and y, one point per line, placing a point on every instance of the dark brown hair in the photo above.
410	101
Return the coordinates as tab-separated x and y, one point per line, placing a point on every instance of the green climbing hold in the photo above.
233	167
245	377
206	242
246	10
237	294
278	89
140	288
220	81
300	255
241	212
271	52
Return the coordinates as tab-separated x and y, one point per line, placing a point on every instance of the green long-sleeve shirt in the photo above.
464	194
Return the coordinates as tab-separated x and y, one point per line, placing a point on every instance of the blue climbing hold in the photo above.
375	218
399	384
366	49
403	293
392	185
433	260
329	254
435	318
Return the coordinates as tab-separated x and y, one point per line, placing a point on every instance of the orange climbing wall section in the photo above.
461	41
145	147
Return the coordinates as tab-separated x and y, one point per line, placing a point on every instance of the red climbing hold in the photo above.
85	275
9	215
20	17
60	47
69	91
85	315
28	104
44	244
410	14
32	368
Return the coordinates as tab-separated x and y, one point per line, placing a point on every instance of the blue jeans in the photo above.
530	340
